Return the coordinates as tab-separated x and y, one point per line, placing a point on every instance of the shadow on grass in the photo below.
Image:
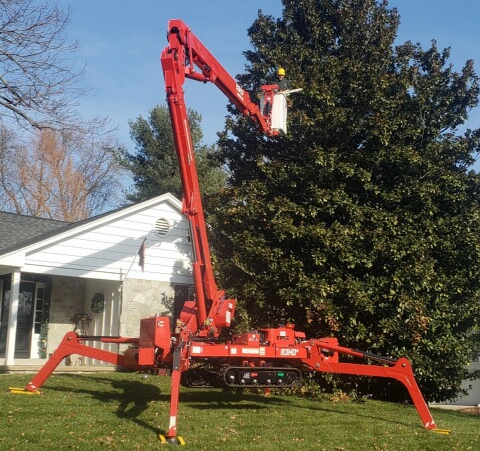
145	392
226	399
135	397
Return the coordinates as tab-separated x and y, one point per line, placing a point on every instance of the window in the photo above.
39	308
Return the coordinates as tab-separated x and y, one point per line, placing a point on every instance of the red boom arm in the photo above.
187	57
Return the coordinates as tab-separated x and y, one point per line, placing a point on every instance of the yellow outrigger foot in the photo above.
442	431
22	391
171	441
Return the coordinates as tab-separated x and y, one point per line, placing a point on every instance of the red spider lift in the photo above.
190	350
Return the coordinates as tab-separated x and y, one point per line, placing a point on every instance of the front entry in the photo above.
28	319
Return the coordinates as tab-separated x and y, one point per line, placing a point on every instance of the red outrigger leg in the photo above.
402	372
180	363
72	344
400	369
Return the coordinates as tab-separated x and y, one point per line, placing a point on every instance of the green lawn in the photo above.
121	411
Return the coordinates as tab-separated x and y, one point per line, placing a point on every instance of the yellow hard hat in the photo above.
281	71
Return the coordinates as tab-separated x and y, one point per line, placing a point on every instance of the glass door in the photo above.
37	320
29	317
25	318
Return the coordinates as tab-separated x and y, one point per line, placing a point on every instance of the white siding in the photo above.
109	250
473	387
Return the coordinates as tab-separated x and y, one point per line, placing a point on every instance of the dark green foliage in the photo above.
363	222
154	165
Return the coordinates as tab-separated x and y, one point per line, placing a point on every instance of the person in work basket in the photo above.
283	83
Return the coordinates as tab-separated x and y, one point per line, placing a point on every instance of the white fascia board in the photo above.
15	259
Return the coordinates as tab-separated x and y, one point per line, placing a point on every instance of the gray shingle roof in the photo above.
18	229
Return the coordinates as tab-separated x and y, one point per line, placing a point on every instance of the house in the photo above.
99	276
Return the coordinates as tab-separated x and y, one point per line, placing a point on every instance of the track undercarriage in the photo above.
219	375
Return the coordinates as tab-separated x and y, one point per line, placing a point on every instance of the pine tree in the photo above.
154	165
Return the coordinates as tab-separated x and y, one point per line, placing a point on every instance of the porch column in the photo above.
12	319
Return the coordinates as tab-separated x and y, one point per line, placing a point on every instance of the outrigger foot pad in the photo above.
171	440
22	391
442	431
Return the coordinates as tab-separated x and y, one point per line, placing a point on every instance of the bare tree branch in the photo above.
38	80
67	176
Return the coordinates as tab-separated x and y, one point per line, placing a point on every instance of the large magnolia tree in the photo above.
363	222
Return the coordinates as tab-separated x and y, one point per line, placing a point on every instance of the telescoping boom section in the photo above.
186	57
188	348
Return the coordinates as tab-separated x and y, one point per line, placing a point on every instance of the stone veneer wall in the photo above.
141	299
67	299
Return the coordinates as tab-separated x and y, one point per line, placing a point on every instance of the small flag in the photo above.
141	255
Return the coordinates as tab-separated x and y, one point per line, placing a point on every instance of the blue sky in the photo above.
121	42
